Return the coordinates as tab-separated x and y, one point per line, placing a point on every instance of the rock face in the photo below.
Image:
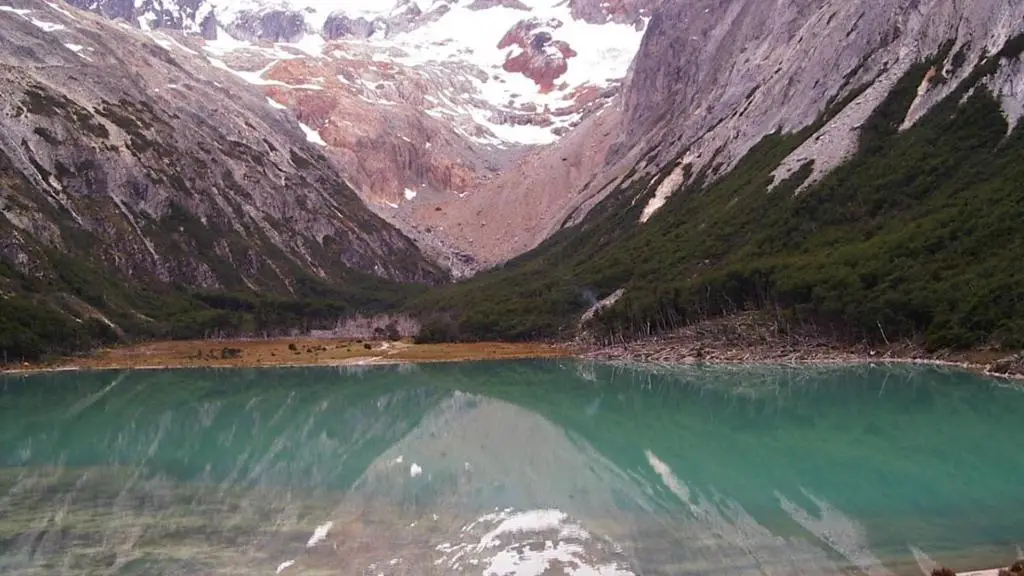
527	117
338	26
711	79
179	15
633	12
270	26
166	170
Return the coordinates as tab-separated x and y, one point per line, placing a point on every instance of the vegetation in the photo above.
917	236
44	316
70	282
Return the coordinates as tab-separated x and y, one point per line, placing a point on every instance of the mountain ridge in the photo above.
423	104
133	178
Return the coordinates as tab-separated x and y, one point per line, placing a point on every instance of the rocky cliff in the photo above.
848	167
139	158
712	79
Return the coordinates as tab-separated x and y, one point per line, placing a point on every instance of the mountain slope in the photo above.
711	80
914	233
128	168
429	107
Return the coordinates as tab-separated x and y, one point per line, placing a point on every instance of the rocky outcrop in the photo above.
634	12
540	57
338	26
271	26
180	15
713	79
163	170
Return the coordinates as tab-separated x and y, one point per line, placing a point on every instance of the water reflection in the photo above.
523	468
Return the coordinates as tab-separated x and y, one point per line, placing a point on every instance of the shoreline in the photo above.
752	339
837	359
663	352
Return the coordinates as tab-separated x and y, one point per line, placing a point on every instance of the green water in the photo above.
509	468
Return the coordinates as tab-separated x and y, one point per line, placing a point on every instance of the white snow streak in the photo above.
312	135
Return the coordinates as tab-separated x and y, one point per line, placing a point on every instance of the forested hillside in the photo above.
916	236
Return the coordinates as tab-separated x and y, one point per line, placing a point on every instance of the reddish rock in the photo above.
382	148
540	57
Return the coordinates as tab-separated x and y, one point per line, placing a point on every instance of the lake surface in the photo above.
522	468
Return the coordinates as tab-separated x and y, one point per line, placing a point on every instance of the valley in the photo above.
218	169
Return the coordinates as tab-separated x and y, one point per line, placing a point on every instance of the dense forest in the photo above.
917	236
42	317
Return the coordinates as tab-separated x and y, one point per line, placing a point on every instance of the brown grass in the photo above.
295	352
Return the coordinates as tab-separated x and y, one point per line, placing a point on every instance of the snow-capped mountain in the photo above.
414	97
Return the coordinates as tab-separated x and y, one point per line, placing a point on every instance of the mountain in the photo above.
131	168
851	168
425	105
625	166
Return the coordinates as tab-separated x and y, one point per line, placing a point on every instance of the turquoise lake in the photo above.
521	468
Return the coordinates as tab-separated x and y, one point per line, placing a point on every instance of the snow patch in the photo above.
256	78
47	26
310	44
415	469
275	104
17	11
409	194
77	49
284	566
663	192
312	135
224	44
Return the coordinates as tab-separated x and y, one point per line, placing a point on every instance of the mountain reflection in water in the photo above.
520	468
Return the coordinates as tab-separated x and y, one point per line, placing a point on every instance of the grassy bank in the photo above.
289	352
